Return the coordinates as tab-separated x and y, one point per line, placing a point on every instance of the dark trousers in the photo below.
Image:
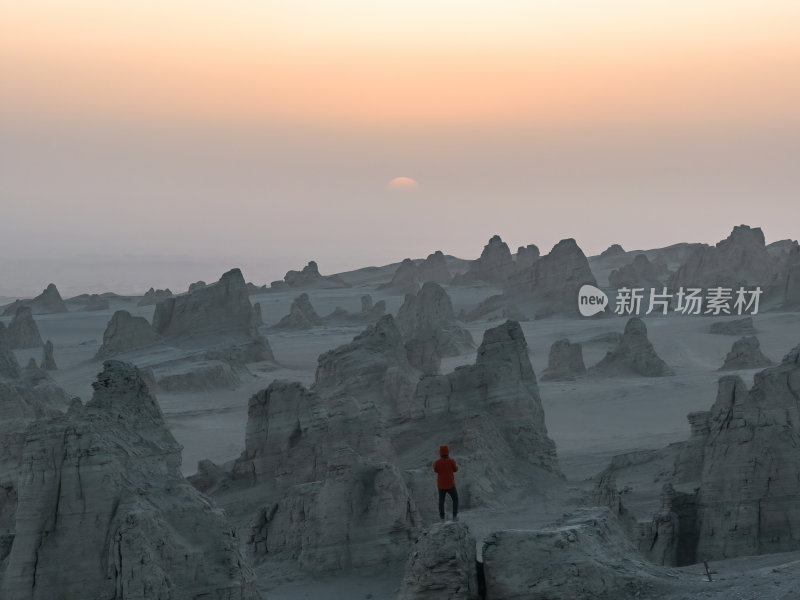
454	495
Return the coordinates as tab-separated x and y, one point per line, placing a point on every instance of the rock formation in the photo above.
48	302
310	276
526	256
197	376
153	296
9	367
113	517
745	354
494	265
633	355
370	312
564	362
427	323
301	315
733	327
406	278
612	250
126	333
96	302
788	278
441	565
641	273
434	268
197	285
22	331
48	362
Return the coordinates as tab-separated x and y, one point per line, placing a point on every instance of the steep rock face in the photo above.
554	279
126	333
740	259
494	265
428	324
441	564
112	516
48	361
153	296
222	307
48	302
788	279
733	327
526	256
9	367
639	273
406	278
633	355
301	315
612	250
434	268
564	362
22	331
745	354
586	555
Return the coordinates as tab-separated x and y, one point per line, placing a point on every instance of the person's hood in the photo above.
444	451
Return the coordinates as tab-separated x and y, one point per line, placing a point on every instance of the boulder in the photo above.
494	265
745	354
126	333
48	362
442	564
564	362
633	355
612	250
640	273
48	302
733	327
113	516
22	331
153	296
301	315
428	324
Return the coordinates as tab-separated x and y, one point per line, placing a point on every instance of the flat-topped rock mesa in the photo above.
742	326
126	333
740	259
526	256
48	362
429	327
153	296
113	517
301	315
745	354
565	361
640	273
310	276
434	268
221	308
406	278
46	303
553	281
494	265
612	250
442	564
633	355
23	331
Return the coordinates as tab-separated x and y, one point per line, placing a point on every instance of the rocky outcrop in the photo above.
434	268
153	296
740	259
526	256
48	302
745	354
22	331
310	276
112	516
441	564
126	333
220	308
633	355
553	281
733	327
494	265
197	285
584	555
788	279
370	312
565	361
197	377
612	250
301	315
48	363
406	278
641	273
9	367
428	324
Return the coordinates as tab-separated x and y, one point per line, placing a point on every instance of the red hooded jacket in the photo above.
445	467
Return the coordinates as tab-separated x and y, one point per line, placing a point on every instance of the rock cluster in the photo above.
310	276
48	302
126	333
565	361
641	273
301	315
745	354
494	265
526	256
633	355
22	331
153	296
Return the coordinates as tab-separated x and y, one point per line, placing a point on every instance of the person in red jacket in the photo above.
445	481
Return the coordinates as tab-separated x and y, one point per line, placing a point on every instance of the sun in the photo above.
402	184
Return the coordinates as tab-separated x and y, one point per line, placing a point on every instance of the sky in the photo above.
160	142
